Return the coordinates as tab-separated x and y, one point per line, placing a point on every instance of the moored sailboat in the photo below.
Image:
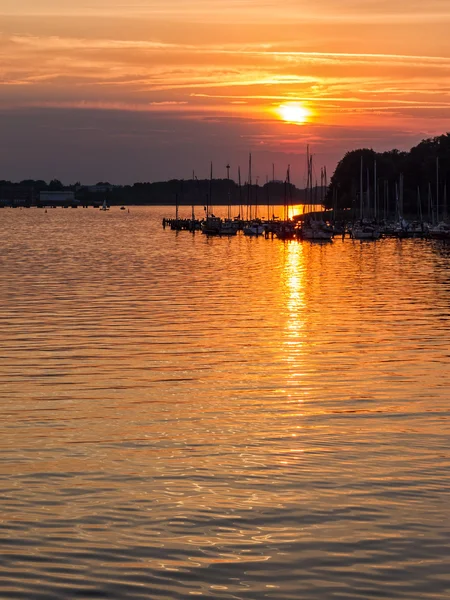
364	229
313	227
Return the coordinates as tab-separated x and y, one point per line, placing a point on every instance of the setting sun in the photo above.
293	112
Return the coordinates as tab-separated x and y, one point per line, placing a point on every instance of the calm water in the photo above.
184	416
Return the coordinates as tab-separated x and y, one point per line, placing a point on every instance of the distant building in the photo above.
60	198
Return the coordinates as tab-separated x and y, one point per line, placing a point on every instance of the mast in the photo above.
401	196
375	215
430	205
192	206
361	204
307	178
210	188
386	199
397	201
321	185
240	193
249	194
444	204
228	186
288	197
419	205
437	189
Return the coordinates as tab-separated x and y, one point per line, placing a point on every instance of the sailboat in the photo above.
229	226
211	224
286	229
363	230
104	206
312	227
254	227
441	228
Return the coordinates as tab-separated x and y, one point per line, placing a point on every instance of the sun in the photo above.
293	112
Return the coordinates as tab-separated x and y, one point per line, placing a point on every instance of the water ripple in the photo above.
240	419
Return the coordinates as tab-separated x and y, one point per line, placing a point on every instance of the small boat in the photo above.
365	232
229	227
313	229
212	225
286	230
104	206
254	228
441	231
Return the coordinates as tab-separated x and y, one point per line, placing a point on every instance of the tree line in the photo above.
419	176
183	192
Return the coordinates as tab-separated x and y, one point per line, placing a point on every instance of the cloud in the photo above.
212	72
247	11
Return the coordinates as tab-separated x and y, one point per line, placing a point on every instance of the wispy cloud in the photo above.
230	11
370	68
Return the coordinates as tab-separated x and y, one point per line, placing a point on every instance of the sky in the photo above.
103	90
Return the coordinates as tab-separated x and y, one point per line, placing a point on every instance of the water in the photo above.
184	416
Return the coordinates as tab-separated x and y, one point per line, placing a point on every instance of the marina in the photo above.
315	229
365	215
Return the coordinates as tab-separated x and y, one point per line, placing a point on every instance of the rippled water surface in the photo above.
184	416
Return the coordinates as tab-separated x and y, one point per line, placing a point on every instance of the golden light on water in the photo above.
293	112
294	275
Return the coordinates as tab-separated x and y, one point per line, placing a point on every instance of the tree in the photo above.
55	185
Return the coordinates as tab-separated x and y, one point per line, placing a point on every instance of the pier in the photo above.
309	229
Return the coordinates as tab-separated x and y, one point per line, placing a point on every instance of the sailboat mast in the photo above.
386	199
361	193
308	199
419	205
437	189
228	190
401	195
444	205
430	205
289	191
249	189
192	206
375	199
209	207
321	185
397	201
241	216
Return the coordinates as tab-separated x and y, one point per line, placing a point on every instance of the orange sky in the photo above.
155	89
